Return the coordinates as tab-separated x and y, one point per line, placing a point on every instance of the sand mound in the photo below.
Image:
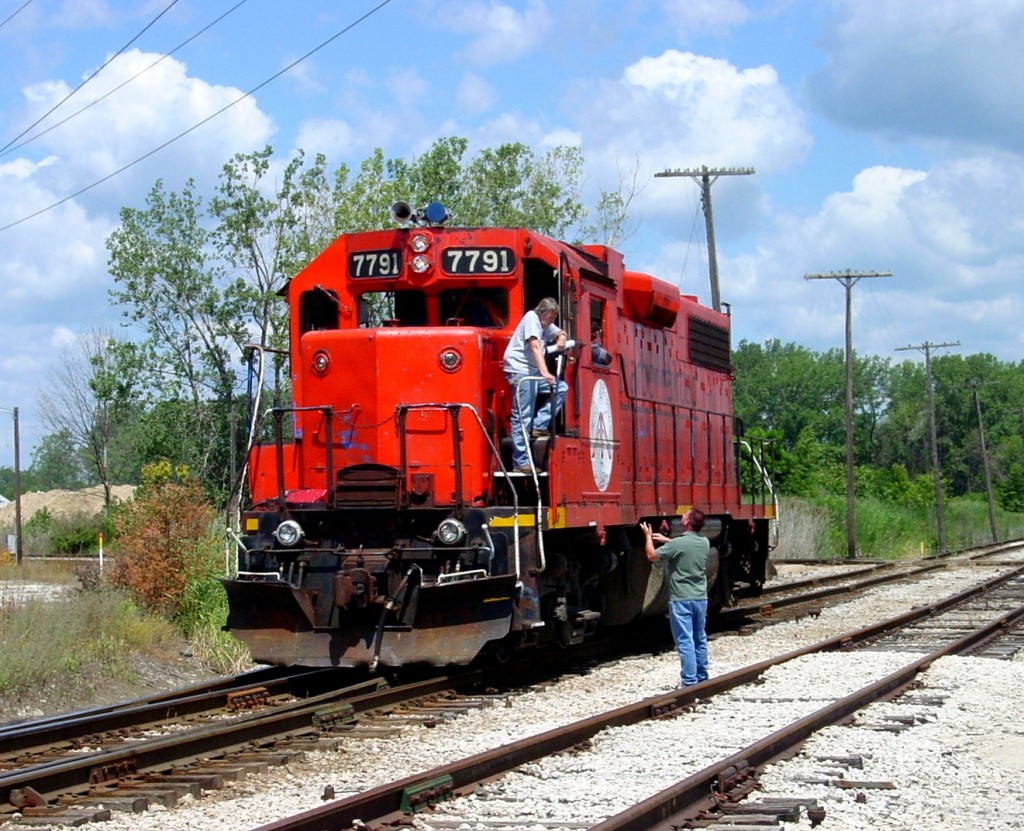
63	504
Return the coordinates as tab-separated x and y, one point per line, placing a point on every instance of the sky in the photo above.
884	135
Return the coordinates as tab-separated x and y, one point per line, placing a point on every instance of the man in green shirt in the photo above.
686	558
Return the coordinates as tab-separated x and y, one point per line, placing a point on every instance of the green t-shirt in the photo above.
686	558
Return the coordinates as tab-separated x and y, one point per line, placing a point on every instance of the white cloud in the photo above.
474	95
697	16
408	89
53	275
685	109
954	276
76	14
63	338
560	137
680	110
944	69
499	32
331	136
160	104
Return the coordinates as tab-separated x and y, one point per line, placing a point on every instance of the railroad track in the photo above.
551	764
114	775
215	700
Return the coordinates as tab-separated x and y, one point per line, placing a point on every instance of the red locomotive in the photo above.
387	525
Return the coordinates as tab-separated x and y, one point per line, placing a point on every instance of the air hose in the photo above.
389	605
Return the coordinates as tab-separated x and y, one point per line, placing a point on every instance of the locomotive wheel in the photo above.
505	650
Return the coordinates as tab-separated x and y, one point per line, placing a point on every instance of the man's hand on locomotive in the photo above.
652	535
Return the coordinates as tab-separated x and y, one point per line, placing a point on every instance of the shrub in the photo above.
163	540
46	534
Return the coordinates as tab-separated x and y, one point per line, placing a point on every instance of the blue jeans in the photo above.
687	617
526	416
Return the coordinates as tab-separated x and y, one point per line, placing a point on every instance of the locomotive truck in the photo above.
386	525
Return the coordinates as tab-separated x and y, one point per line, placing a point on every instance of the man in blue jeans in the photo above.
526	371
686	558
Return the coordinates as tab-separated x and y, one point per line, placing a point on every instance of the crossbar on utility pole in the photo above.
703	176
927	348
849	279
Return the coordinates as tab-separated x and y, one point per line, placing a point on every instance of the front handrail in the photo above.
452	407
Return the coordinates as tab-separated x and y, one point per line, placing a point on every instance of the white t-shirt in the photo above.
518	355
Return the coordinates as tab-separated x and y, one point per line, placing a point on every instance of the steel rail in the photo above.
393	799
777	599
63	777
187	701
664	810
73	775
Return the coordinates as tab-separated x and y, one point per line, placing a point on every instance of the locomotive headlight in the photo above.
420	243
450	360
288	533
451	531
420	263
321	362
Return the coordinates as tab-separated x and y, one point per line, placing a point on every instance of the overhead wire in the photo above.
689	245
15	13
184	43
93	75
199	124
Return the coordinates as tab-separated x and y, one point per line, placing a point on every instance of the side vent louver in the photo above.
709	345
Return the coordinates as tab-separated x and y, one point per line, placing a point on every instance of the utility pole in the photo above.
849	279
984	462
927	348
703	176
19	544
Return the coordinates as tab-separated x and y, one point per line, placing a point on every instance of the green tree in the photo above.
1011	489
790	389
168	285
201	281
56	463
86	401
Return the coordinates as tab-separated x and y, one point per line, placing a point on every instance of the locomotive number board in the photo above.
478	260
384	263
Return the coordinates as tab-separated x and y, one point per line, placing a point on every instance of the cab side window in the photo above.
318	309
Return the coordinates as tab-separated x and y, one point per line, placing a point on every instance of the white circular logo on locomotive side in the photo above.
602	446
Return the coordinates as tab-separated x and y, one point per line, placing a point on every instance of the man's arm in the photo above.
537	349
649	542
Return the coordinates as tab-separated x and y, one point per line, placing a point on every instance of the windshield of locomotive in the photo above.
486	307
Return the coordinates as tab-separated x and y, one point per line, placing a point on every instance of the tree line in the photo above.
197	280
797	397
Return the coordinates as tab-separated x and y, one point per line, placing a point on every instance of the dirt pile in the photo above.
64	504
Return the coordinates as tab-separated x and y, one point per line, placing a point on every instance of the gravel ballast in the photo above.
961	763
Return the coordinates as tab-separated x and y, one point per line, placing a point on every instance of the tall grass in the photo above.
812	530
201	616
84	634
803	530
59	572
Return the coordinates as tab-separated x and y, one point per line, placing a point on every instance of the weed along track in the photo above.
599	740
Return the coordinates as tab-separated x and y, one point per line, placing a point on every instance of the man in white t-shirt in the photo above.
526	372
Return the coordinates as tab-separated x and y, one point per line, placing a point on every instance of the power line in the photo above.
90	77
123	84
15	13
199	124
